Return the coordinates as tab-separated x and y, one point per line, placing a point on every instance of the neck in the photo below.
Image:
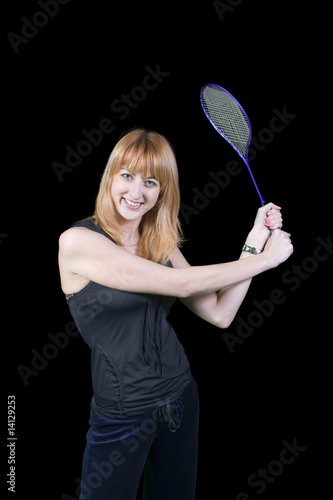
130	233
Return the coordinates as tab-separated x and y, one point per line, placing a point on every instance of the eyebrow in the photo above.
132	173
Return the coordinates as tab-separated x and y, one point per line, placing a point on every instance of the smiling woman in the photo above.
134	192
141	169
122	270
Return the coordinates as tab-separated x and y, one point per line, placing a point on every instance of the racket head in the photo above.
228	117
230	120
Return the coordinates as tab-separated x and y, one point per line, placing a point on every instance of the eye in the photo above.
150	183
126	176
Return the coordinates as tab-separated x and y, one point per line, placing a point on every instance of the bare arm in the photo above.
93	256
220	308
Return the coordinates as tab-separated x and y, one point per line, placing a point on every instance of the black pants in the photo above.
118	451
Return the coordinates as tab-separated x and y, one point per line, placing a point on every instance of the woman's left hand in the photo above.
268	217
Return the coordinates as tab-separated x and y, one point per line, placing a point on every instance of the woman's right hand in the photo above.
279	247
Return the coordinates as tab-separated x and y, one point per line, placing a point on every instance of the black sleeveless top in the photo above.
137	362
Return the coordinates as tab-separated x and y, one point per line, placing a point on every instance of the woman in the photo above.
121	271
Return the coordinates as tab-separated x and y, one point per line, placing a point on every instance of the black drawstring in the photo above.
171	413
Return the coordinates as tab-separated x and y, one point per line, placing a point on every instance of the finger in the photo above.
274	221
271	206
276	216
272	211
285	234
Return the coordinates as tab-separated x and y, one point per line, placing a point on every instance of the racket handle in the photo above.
270	230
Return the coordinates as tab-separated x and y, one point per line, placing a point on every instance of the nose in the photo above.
136	189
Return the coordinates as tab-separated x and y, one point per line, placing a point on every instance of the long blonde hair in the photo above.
150	154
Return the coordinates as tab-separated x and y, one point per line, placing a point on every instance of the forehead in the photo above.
140	162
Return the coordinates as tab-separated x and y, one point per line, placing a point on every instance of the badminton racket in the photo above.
230	120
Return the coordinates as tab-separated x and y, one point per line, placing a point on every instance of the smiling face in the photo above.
134	194
139	195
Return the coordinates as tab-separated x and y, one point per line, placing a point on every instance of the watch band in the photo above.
247	248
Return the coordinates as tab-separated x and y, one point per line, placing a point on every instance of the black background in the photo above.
64	80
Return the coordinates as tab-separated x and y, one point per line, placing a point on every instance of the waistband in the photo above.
106	430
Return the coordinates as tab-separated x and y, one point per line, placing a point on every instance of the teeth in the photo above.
132	203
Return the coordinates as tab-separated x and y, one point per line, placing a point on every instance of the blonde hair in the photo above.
150	154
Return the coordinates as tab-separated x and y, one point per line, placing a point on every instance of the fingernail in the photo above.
269	213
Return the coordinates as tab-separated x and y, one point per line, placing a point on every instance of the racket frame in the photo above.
244	158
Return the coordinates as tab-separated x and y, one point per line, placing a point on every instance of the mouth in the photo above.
133	205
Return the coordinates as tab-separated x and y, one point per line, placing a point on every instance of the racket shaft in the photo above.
254	181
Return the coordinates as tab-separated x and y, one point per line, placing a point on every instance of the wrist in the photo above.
247	251
257	238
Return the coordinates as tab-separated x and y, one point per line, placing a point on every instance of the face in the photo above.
134	195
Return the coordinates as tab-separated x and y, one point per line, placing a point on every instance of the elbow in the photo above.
224	324
224	321
221	321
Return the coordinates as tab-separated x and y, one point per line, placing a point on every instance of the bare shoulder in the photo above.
80	239
77	245
73	237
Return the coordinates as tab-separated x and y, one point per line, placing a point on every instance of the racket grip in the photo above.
270	230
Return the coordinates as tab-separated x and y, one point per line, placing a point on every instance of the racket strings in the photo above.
226	114
230	120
